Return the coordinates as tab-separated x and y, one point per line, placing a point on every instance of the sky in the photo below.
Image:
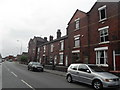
21	20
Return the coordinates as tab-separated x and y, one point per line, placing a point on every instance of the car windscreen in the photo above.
96	69
36	63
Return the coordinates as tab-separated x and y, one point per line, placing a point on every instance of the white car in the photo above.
93	75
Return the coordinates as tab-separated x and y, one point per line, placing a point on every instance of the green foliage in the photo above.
23	58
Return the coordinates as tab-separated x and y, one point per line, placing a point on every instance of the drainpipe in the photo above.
114	64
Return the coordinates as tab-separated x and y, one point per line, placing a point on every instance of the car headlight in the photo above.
108	80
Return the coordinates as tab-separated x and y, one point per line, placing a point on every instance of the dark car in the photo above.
35	66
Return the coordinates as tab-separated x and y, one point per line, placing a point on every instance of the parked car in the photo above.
91	74
35	66
0	61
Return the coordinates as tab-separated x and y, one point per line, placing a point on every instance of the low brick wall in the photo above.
117	73
59	68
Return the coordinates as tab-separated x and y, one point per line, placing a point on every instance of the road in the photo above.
0	76
15	75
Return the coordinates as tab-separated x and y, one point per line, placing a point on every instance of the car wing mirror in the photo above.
88	71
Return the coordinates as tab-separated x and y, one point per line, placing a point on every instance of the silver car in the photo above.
91	74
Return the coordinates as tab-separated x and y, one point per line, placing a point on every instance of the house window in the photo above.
76	41
44	48
52	48
102	13
101	57
62	45
77	23
61	59
38	49
75	57
104	34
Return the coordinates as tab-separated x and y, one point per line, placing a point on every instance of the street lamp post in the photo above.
20	46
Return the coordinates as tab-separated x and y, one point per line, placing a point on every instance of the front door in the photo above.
117	61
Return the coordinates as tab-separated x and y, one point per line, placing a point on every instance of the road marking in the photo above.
27	84
14	74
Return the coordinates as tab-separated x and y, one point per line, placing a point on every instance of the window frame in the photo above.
51	47
103	35
62	45
61	60
77	23
77	39
100	15
44	48
99	58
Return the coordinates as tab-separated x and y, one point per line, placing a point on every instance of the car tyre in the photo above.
42	70
97	85
28	69
69	78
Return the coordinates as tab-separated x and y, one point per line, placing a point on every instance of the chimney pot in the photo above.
58	33
50	38
45	38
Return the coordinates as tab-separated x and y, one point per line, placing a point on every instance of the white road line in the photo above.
14	74
27	84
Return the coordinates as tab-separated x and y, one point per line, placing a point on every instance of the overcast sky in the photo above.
21	20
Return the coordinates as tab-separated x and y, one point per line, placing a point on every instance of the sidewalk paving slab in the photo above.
60	73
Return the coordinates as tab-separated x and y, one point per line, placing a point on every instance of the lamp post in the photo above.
20	46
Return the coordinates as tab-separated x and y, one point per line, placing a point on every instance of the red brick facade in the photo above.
92	37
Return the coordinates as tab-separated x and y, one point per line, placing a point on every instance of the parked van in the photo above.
93	75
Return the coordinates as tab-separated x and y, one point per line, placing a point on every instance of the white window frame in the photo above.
44	48
102	29
52	46
38	49
77	37
62	45
61	60
98	50
99	9
77	23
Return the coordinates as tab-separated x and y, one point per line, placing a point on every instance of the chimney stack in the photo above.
50	38
58	33
45	38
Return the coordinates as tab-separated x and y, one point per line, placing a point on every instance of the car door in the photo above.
73	72
84	74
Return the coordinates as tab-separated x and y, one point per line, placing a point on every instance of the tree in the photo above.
24	59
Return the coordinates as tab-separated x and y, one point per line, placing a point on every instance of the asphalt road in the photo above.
0	76
15	75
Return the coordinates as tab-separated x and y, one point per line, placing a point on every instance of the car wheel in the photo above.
42	70
69	78
97	85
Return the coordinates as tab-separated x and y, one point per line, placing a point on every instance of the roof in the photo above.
61	38
75	14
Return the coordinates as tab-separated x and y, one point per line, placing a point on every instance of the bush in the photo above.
23	58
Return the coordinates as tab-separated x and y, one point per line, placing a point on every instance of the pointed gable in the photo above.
77	14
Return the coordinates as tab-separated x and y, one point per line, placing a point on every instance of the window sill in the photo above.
102	20
77	47
60	63
61	50
104	42
103	65
76	29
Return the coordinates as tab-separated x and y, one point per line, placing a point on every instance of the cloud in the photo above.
24	19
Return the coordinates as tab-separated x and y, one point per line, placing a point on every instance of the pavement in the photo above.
60	73
56	72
